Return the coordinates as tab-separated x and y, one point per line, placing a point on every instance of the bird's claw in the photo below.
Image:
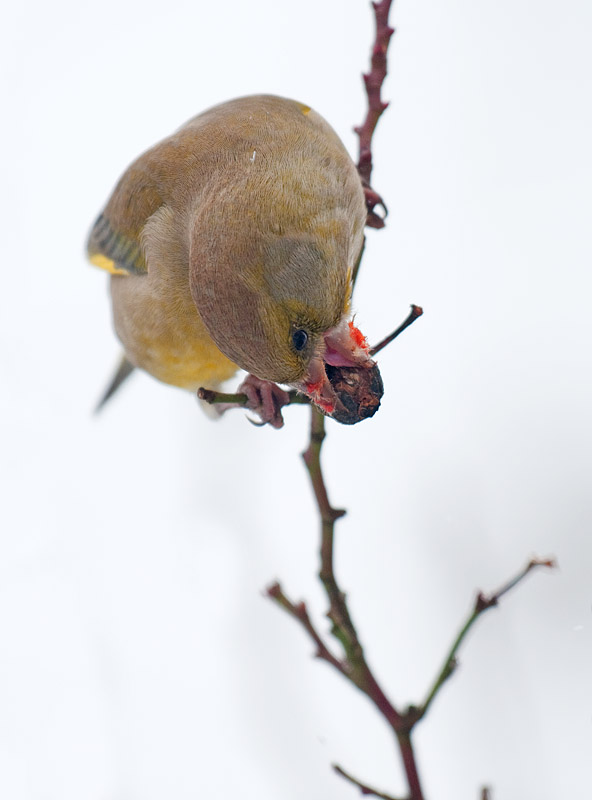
266	399
373	200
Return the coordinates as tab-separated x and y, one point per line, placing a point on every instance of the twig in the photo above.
364	788
240	399
300	612
415	313
373	81
355	666
482	604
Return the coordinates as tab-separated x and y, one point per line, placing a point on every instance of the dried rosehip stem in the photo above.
416	311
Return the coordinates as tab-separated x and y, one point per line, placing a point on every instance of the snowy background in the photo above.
138	657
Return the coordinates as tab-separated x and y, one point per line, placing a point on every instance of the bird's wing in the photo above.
114	243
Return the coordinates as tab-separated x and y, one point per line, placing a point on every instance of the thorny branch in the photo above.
352	663
354	666
373	81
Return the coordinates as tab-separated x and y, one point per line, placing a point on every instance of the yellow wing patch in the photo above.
304	109
101	261
113	251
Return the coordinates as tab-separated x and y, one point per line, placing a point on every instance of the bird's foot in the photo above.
373	200
266	399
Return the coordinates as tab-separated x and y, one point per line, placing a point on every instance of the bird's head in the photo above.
274	290
287	316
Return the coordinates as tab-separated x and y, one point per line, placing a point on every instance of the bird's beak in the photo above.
342	346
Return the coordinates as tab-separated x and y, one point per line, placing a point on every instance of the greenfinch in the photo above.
232	244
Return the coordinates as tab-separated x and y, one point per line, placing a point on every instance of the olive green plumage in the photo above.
226	238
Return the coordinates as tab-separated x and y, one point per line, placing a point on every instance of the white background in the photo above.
138	657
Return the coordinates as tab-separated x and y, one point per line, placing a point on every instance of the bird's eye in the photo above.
299	339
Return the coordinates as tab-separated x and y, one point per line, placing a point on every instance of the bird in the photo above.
232	244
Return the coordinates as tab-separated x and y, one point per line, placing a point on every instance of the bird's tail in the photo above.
124	370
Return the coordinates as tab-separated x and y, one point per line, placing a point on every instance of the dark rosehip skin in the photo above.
358	390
